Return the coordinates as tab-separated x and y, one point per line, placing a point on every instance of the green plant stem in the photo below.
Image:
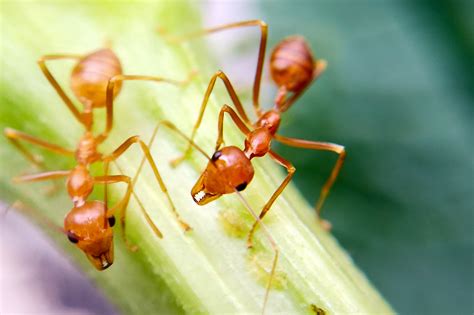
207	270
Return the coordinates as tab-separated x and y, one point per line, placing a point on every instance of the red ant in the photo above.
95	80
293	68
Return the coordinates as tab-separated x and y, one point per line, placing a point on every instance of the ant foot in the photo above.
192	74
186	227
133	248
50	191
165	34
249	244
175	162
326	225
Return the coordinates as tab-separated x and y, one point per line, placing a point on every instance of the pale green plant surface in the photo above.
207	270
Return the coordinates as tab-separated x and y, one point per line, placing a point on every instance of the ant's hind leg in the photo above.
55	84
261	51
326	146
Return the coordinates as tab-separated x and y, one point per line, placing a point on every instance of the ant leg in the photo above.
261	53
326	146
123	148
41	176
175	129
272	243
319	67
220	127
109	98
55	84
291	171
122	205
14	136
142	207
210	87
28	211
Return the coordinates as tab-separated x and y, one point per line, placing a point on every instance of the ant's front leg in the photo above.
136	140
291	171
220	125
235	100
55	84
122	205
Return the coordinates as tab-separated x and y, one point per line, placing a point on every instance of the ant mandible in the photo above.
293	68
96	80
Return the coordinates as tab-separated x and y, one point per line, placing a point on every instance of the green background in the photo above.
398	94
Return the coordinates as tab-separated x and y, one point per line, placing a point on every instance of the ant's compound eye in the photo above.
72	238
241	186
216	155
111	221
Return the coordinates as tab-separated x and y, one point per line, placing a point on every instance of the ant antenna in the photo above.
272	243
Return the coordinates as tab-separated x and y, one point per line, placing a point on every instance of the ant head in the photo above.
91	75
292	64
87	227
228	170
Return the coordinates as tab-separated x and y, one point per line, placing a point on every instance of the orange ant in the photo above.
293	68
95	80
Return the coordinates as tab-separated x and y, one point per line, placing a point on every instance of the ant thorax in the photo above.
258	142
271	120
86	152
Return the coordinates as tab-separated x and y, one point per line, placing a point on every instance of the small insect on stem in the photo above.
96	80
317	310
293	68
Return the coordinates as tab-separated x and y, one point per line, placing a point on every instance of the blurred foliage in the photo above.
398	94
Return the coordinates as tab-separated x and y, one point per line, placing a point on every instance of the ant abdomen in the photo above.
91	75
292	64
